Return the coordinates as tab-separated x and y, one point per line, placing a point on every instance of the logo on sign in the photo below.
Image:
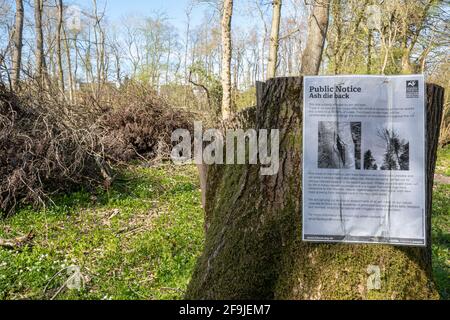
412	89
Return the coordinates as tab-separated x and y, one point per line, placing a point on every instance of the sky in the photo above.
174	9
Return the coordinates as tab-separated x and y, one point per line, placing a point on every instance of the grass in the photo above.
140	240
441	239
441	225
443	161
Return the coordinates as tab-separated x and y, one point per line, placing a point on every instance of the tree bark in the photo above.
317	33
226	58
69	66
274	40
18	44
253	247
40	58
59	5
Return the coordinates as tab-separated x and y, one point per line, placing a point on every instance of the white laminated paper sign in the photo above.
364	173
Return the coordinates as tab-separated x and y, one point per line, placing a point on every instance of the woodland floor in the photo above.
141	239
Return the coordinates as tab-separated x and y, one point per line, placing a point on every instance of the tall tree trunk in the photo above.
186	52
118	68
254	247
59	5
406	62
40	58
226	58
169	52
18	44
369	52
99	38
274	40
75	67
317	32
69	66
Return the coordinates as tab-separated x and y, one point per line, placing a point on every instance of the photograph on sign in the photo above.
364	163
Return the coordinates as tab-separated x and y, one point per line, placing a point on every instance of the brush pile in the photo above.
45	147
49	146
139	126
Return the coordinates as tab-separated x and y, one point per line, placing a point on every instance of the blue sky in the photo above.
174	9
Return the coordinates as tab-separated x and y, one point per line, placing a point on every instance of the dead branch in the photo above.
16	243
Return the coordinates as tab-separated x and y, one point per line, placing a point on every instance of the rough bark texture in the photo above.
226	58
274	40
253	246
317	33
18	44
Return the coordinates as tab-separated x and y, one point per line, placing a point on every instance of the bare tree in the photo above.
317	32
17	41
69	65
133	38
274	39
116	53
40	58
100	43
59	30
345	33
260	9
188	13
226	58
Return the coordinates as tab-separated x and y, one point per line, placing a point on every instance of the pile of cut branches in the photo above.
139	125
46	146
49	146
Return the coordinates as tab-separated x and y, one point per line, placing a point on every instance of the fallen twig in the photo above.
16	243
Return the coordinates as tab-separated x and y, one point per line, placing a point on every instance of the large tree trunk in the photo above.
274	40
317	33
253	246
226	58
18	44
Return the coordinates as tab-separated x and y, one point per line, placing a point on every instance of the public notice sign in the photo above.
364	159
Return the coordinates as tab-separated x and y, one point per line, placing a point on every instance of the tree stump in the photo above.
253	246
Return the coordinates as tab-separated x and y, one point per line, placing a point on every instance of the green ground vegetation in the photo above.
441	223
139	240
